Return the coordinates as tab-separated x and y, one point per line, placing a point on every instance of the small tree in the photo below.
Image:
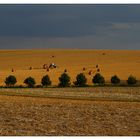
45	81
115	79
81	80
30	81
64	80
98	79
10	80
131	80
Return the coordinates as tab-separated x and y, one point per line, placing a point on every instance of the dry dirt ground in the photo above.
123	63
27	115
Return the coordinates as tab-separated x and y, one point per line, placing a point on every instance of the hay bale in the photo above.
30	68
98	70
97	66
90	72
84	68
45	66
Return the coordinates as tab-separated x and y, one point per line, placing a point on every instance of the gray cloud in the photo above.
78	26
62	20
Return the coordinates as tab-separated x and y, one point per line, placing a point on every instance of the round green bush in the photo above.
115	79
30	82
98	79
45	81
10	80
81	80
64	80
131	80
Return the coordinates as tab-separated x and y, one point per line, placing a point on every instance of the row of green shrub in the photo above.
64	80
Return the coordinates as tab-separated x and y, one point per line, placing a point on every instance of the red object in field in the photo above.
97	66
84	68
30	68
45	66
98	70
90	72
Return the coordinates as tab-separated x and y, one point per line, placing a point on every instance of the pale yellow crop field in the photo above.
123	63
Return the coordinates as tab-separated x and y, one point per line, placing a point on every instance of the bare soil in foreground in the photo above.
28	115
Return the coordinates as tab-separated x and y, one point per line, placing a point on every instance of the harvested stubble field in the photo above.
62	111
110	62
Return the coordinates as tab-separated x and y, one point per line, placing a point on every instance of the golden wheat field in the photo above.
110	62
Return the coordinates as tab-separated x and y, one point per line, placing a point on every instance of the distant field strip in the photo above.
131	94
18	63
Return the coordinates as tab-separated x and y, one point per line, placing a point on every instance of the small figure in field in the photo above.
48	69
84	68
65	70
98	70
52	65
52	55
103	53
12	70
90	72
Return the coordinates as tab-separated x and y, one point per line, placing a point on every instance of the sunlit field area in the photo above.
25	63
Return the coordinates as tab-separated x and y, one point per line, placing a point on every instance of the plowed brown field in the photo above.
31	115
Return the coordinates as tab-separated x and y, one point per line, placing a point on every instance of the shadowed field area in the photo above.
24	114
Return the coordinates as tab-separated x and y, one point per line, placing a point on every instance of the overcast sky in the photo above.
70	26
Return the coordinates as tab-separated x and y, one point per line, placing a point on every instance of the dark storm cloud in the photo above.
70	25
63	20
